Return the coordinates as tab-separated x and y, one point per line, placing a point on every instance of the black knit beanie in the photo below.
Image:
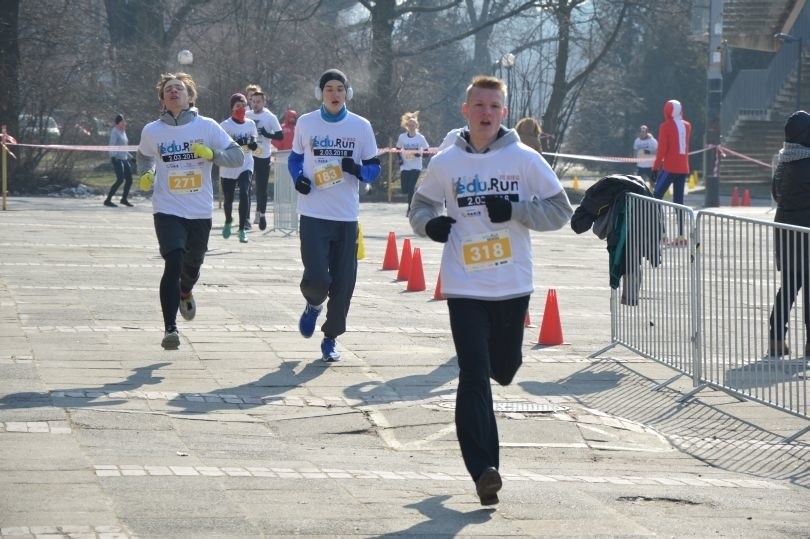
797	128
332	74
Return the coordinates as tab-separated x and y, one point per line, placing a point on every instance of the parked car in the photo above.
39	128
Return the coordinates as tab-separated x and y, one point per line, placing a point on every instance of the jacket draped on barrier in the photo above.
604	209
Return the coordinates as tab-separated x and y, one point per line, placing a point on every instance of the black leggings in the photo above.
408	180
261	172
229	190
792	250
183	243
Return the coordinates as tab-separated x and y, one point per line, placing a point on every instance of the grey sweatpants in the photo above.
329	254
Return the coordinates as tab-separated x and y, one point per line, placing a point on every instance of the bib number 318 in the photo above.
487	250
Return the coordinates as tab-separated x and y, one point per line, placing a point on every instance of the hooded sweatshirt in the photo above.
673	140
287	131
482	259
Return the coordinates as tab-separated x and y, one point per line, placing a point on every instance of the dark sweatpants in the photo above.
329	254
488	337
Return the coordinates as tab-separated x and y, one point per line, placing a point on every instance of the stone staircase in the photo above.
761	137
751	24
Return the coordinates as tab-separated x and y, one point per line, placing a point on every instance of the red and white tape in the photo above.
9	141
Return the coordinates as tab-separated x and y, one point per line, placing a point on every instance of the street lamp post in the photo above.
508	62
787	38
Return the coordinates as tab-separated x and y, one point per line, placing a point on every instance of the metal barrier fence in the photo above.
697	294
285	197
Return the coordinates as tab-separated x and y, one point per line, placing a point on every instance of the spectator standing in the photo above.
495	191
333	151
413	144
645	147
671	165
120	163
287	131
243	131
177	151
269	130
529	131
791	191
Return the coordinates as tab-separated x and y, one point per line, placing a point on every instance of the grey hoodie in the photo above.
536	214
228	157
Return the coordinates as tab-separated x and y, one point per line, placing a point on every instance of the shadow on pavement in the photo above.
272	384
407	388
444	522
141	376
704	431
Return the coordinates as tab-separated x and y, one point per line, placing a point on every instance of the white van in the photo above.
38	128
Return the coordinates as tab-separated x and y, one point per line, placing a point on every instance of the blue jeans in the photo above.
123	174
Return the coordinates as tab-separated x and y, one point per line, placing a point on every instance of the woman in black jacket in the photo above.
791	190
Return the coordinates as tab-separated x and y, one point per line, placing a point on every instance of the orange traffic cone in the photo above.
746	199
416	278
437	294
551	330
735	196
405	261
528	321
391	261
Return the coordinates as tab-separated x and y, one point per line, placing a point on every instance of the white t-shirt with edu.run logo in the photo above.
335	194
482	258
182	181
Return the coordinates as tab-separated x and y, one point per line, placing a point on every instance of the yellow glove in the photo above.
201	150
147	179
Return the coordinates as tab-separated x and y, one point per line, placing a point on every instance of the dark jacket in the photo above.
791	182
604	208
791	191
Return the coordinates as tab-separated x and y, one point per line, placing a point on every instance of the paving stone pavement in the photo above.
244	432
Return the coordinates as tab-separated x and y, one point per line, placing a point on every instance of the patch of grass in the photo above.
101	180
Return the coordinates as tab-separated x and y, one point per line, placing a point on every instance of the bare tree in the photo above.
566	86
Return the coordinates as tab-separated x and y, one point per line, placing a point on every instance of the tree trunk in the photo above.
9	64
137	56
559	88
383	15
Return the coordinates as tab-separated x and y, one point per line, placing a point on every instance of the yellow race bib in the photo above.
486	251
328	175
187	182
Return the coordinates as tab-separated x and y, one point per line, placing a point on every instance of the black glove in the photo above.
438	228
348	165
263	132
653	177
499	209
252	144
303	185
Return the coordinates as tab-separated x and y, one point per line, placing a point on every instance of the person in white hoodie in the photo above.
645	146
496	189
177	151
